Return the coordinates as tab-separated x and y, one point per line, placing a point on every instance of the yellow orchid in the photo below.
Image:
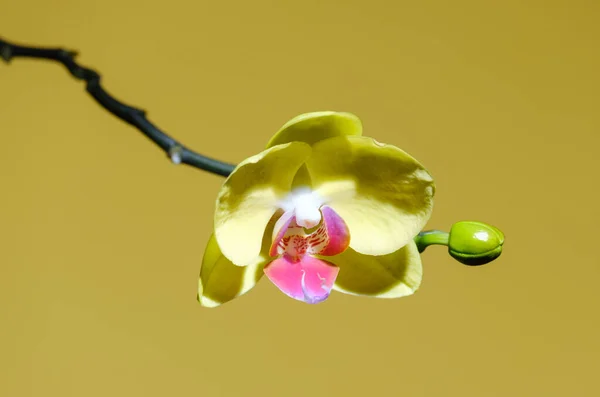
322	208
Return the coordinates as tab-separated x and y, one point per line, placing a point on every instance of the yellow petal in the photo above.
220	280
251	195
387	276
383	194
316	126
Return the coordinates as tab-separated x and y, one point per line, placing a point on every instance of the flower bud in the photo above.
475	243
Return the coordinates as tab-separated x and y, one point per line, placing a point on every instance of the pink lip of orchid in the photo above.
322	208
296	272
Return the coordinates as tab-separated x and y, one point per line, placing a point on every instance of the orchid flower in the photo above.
321	208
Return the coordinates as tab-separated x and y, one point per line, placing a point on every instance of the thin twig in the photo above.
176	151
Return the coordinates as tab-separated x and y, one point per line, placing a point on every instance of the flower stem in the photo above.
136	117
431	237
178	153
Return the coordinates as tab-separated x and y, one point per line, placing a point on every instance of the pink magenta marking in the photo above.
309	280
337	232
281	226
298	274
331	238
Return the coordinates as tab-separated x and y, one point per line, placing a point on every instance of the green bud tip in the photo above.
475	243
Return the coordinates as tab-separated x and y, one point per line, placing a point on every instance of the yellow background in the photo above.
101	237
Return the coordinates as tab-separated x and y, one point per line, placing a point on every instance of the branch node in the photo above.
68	54
175	153
137	117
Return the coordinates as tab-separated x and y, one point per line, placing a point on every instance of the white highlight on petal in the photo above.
323	280
307	217
308	298
303	286
207	302
306	204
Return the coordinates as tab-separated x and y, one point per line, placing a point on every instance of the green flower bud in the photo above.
475	243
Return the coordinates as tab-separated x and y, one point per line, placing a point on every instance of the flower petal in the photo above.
281	227
330	238
383	194
309	280
387	276
316	126
334	232
221	281
250	196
